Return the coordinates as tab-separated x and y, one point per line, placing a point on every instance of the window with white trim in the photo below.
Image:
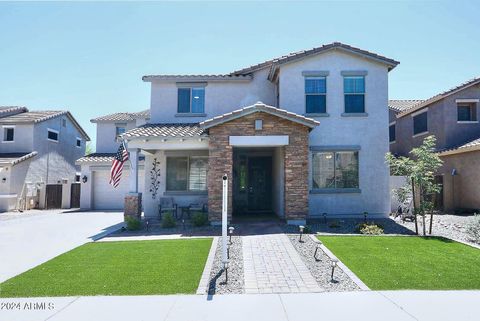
52	135
466	112
187	173
8	134
315	95
354	91
79	142
335	170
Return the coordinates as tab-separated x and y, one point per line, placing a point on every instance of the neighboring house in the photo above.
97	193
452	116
299	135
38	150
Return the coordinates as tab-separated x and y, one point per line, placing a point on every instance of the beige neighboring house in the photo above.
453	117
38	150
298	136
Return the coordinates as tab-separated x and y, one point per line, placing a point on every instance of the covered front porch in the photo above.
262	149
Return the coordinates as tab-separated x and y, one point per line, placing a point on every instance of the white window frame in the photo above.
188	190
413	122
191	87
471	103
8	141
76	142
53	131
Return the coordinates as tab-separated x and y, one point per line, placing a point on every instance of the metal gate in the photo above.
75	195
54	196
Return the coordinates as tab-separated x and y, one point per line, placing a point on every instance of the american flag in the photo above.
117	165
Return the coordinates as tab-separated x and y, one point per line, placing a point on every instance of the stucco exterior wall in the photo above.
370	133
461	191
106	135
220	98
22	139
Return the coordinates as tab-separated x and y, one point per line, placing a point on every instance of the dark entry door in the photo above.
75	195
54	196
259	184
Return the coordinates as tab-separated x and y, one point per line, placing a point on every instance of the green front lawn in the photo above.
392	263
116	268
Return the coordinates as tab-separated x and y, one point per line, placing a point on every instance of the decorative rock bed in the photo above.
235	284
322	269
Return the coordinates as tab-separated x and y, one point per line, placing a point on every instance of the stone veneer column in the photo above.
133	205
220	161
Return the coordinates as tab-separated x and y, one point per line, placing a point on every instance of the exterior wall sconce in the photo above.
365	214
4	180
84	178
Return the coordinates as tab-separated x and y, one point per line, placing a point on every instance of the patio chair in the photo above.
167	205
197	207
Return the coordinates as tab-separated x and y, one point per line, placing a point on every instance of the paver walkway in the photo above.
272	265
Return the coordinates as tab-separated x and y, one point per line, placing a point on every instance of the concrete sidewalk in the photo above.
332	306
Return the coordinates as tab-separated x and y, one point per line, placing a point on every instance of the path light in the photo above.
319	243
230	232
334	265
183	223
301	228
324	218
365	216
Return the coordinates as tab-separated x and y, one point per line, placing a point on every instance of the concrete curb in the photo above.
340	264
203	285
150	238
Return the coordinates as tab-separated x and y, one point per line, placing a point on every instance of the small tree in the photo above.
89	149
420	170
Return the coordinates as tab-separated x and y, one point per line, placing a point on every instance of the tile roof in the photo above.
431	100
40	116
8	110
123	116
166	130
15	158
241	74
472	145
259	107
400	105
100	158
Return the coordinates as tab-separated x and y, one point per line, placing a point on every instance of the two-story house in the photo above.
38	150
299	135
452	116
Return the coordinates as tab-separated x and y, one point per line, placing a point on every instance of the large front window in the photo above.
354	90
187	173
191	100
315	95
335	170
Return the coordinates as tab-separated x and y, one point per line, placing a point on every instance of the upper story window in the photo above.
466	112
79	142
315	95
52	135
420	122
392	133
335	170
191	100
8	133
120	129
354	90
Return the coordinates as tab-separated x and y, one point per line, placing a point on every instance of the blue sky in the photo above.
90	57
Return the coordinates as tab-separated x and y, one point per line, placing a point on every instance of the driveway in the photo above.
34	237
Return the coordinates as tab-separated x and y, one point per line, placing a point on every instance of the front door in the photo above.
259	184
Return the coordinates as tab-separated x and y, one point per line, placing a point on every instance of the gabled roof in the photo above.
245	73
15	158
9	110
440	96
470	146
145	114
183	130
33	117
399	105
259	107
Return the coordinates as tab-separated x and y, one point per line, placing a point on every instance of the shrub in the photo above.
133	223
199	219
168	221
370	229
334	224
473	229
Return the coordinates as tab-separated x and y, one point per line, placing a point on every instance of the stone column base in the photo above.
133	205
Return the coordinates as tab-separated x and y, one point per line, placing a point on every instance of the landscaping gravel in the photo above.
322	269
446	225
235	284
